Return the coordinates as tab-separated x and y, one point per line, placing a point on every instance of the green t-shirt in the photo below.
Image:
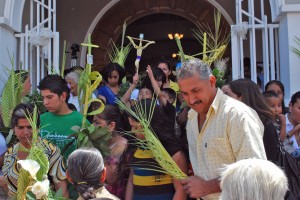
57	128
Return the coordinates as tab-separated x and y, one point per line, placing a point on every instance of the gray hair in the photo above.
85	166
193	67
73	76
253	179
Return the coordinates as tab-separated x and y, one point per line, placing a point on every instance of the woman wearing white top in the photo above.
293	120
73	78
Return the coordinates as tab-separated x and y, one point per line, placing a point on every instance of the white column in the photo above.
289	62
8	47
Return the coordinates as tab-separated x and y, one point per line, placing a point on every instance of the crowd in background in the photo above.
203	128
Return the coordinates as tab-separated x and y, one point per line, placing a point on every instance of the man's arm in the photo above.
245	132
197	187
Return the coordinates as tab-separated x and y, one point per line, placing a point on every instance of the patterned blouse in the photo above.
11	169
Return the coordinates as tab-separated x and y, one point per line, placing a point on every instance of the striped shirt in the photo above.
147	183
11	168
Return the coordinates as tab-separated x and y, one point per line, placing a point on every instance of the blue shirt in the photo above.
110	97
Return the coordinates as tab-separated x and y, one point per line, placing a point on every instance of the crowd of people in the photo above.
226	140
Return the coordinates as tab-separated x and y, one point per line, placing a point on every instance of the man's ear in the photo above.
212	80
112	126
63	96
69	177
103	175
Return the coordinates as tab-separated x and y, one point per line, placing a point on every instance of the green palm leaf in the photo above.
92	136
119	54
36	153
215	39
11	95
294	49
160	154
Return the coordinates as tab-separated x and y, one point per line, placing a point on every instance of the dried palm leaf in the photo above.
152	142
11	94
216	39
119	54
88	135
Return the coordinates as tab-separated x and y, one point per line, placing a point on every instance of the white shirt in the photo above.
289	127
232	131
74	100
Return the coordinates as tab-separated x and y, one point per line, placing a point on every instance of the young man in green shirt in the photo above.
56	124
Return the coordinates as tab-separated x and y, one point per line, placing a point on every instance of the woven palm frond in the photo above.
83	80
11	95
215	39
37	150
36	153
160	154
119	54
88	82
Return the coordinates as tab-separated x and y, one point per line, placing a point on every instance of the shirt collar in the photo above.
216	102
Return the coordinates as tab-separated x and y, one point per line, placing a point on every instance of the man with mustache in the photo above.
220	129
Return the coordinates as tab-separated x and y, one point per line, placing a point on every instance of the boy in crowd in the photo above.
56	124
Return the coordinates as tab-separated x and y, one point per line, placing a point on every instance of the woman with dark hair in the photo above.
111	118
113	74
278	88
167	69
293	121
86	171
22	87
146	181
23	130
25	80
248	92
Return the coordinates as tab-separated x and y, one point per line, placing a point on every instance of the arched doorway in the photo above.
109	26
156	27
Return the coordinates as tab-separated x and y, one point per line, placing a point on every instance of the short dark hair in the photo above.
295	97
56	84
164	61
279	84
109	68
112	113
269	94
170	92
159	74
21	111
146	83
